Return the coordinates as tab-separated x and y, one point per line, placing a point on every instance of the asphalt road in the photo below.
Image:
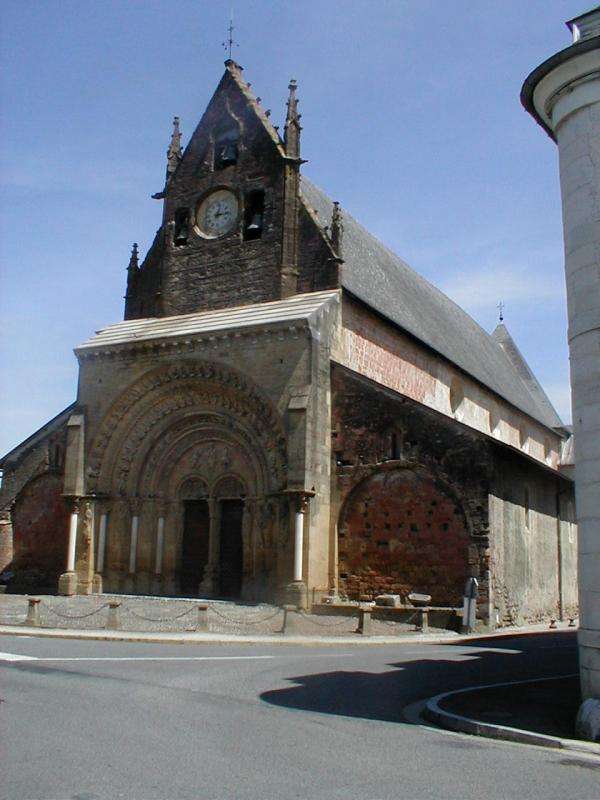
92	720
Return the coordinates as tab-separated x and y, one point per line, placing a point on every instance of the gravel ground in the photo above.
168	614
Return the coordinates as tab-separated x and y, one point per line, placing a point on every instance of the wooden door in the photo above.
231	549
194	549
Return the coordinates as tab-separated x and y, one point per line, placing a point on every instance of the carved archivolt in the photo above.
172	414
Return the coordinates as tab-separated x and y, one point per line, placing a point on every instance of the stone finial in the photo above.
133	261
337	229
291	136
174	151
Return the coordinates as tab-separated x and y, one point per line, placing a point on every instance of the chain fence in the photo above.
227	618
73	616
126	612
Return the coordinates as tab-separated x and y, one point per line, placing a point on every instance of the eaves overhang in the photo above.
276	319
544	69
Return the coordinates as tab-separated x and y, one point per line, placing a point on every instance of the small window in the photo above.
254	212
182	227
226	149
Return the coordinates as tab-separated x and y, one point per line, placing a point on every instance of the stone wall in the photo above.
253	405
533	548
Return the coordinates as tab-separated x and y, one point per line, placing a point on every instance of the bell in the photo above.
256	223
229	154
181	234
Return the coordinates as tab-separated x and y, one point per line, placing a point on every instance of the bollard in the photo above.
423	624
33	613
290	620
364	620
112	620
202	624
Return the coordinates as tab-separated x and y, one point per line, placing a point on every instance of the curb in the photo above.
455	722
221	638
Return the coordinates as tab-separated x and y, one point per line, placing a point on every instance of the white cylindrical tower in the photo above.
563	95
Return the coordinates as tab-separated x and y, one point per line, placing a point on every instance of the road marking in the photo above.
153	658
15	657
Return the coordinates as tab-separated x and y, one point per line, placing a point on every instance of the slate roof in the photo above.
379	278
277	312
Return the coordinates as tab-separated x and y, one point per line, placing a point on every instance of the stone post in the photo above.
364	619
202	624
112	620
563	96
33	612
290	620
67	583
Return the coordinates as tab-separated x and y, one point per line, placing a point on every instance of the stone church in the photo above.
288	411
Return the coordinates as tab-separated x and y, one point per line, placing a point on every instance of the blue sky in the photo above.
411	120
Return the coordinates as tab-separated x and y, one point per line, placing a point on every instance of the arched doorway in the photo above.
401	531
230	493
195	535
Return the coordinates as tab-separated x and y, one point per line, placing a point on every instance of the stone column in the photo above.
84	563
101	552
133	543
161	510
249	549
160	543
563	96
67	583
296	592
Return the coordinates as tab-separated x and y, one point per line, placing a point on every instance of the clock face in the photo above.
217	214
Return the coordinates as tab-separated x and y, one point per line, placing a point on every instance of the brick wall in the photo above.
40	532
399	532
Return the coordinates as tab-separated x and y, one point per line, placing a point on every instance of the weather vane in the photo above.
230	43
501	308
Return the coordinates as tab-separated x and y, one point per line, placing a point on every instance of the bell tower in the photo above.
231	204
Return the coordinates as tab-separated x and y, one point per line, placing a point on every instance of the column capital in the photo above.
135	505
300	498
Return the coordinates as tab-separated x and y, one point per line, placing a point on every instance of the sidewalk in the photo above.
176	619
540	712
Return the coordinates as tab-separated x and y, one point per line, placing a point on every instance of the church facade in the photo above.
288	411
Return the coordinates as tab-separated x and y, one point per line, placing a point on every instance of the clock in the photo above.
217	214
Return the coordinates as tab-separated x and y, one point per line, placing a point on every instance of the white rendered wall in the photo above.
578	137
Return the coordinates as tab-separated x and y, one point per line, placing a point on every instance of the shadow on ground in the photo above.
382	695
